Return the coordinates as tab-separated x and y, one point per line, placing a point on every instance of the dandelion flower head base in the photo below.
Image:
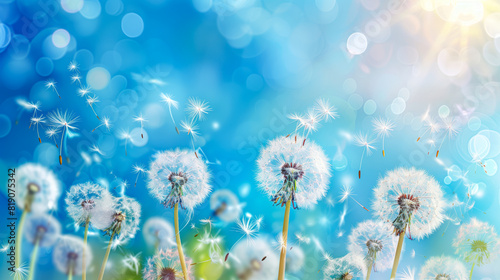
116	225
88	205
178	180
347	276
32	190
292	173
167	273
443	277
374	246
408	204
481	249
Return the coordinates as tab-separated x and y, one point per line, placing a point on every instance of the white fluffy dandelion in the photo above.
86	204
412	201
375	241
124	225
178	178
42	230
348	267
383	128
291	172
477	243
362	140
68	255
443	268
225	205
255	261
158	233
166	265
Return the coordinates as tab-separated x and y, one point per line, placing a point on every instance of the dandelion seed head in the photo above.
166	265
411	200
374	240
159	232
84	91
477	242
50	84
88	201
36	183
178	176
345	193
247	260
51	132
124	134
75	78
290	170
60	119
140	118
190	128
132	262
407	274
138	168
167	99
344	268
38	120
197	109
73	66
68	253
42	228
225	205
92	100
443	268
249	227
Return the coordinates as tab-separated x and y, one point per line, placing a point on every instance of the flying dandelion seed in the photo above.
299	121
443	268
362	140
325	110
347	193
383	129
178	178
86	204
96	149
104	122
139	169
344	268
91	101
26	106
310	124
38	121
166	264
140	119
73	67
77	78
477	243
159	233
197	109
292	173
51	133
124	225
52	84
68	255
408	274
256	261
375	241
450	127
413	201
132	262
84	91
432	127
38	190
125	135
65	122
192	130
42	230
19	273
167	99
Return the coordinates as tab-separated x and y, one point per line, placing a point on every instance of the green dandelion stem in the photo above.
398	254
281	274
84	268
103	266
34	256
19	239
179	244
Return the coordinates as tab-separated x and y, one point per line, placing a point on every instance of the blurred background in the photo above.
255	63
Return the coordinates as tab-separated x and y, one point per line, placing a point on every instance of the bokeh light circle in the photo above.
72	6
5	125
60	38
444	111
91	9
356	101
447	180
479	147
449	62
357	43
474	123
132	25
98	78
398	106
370	107
325	5
492	25
5	36
44	66
136	139
490	167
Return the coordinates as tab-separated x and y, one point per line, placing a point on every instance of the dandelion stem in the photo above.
178	239
84	269
34	255
103	266
70	274
472	269
60	148
281	274
19	239
369	271
398	255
